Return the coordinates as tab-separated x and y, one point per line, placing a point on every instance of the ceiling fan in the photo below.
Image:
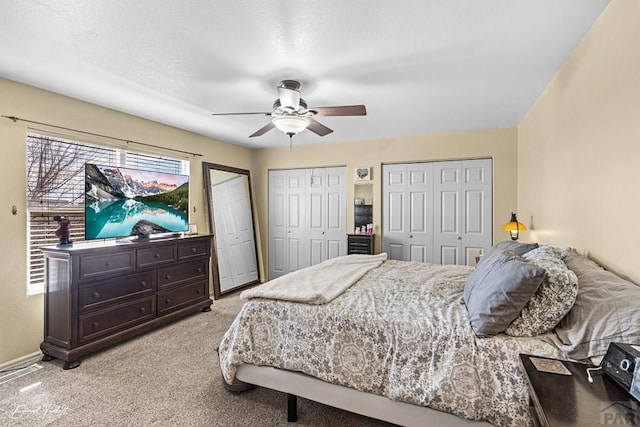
292	115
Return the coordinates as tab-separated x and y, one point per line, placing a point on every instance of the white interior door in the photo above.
307	218
407	211
420	212
336	212
447	213
394	217
463	210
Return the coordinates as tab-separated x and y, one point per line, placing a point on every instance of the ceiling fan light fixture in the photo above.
291	124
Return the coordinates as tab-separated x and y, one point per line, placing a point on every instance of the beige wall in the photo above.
579	147
499	144
21	317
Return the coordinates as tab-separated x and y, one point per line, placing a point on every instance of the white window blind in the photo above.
55	186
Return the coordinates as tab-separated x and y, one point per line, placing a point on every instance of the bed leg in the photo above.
292	408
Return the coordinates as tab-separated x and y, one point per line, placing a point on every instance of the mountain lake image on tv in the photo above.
123	202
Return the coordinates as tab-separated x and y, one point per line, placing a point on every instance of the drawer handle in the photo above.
194	250
96	295
143	310
156	256
167	301
143	284
95	325
198	291
108	263
167	277
199	269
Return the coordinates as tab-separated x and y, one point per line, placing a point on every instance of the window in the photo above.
55	186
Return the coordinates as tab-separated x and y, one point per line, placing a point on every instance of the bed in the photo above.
418	344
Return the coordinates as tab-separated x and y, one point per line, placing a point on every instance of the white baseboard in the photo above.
21	361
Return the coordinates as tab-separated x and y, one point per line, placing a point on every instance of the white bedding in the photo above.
320	283
401	331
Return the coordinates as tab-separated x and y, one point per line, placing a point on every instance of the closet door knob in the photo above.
459	237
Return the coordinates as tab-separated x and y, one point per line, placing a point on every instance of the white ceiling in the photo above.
419	66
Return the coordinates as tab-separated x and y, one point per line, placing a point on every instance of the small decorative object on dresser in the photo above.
63	229
100	293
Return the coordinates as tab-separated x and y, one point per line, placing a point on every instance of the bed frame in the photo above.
296	384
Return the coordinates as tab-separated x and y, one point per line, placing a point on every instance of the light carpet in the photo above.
167	377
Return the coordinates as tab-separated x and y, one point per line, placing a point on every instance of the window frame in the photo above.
40	230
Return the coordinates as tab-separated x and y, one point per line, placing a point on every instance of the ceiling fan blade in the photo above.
240	114
344	110
264	129
318	128
289	97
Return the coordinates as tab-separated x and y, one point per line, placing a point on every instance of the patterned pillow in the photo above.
497	290
553	299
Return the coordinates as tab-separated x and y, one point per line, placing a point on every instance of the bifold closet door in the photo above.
462	210
326	213
307	218
408	211
287	225
438	212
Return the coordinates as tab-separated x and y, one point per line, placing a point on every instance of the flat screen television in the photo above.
122	202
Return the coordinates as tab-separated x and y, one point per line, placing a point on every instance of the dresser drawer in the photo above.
156	255
108	321
99	294
106	263
360	244
195	249
177	298
168	276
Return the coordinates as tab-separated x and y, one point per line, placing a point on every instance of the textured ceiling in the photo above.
419	66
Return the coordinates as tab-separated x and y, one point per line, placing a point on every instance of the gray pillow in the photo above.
607	309
512	245
498	289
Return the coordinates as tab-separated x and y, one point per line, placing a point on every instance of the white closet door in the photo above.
420	210
407	211
307	218
477	208
316	180
287	224
447	213
326	213
394	217
462	209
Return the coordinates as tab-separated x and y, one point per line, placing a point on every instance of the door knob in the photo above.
459	237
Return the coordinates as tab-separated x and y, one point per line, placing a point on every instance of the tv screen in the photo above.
123	202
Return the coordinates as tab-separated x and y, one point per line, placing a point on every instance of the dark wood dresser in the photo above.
100	293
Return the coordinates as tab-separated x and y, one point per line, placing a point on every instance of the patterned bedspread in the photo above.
401	331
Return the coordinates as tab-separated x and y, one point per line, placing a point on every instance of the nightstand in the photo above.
360	244
570	400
